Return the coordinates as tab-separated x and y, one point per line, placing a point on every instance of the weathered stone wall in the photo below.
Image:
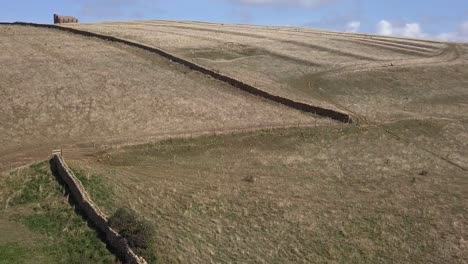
93	213
333	114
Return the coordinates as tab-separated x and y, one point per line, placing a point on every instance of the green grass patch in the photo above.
33	185
96	187
12	253
77	243
53	222
35	199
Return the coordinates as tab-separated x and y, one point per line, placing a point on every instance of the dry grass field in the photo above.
318	195
349	72
58	88
275	185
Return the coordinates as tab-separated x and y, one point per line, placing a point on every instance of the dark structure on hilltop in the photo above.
58	19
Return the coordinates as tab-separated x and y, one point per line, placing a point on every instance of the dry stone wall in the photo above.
93	213
333	114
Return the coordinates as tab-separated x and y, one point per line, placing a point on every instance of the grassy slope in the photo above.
60	89
312	195
323	68
427	81
345	195
38	225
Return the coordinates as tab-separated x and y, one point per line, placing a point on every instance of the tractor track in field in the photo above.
444	55
262	51
391	47
306	31
292	42
407	48
409	43
449	55
419	48
397	45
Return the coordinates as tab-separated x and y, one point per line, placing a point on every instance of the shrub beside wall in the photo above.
138	232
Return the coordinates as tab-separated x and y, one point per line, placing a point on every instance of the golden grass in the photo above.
341	195
373	76
60	88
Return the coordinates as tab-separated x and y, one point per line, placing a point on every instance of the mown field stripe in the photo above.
287	41
329	113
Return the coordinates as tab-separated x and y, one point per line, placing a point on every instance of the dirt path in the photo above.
14	158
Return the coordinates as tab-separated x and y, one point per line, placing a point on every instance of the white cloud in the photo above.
460	35
409	30
303	3
384	28
464	28
414	30
353	26
447	36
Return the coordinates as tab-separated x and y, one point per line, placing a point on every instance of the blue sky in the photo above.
411	18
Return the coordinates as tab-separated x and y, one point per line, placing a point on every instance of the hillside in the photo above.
59	89
373	77
225	175
315	195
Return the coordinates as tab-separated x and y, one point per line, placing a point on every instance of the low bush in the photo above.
139	232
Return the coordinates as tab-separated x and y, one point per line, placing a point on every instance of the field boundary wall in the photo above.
329	113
